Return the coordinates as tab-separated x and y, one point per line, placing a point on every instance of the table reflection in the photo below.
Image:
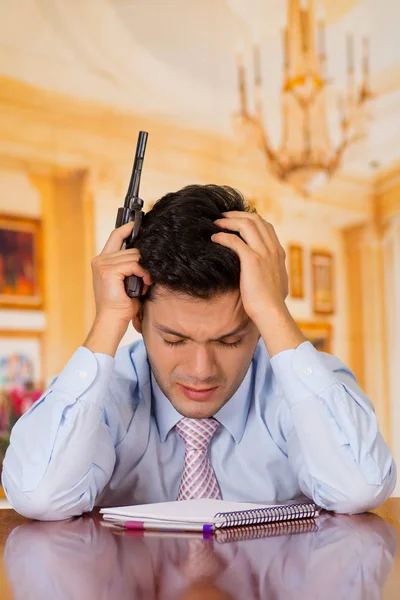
347	557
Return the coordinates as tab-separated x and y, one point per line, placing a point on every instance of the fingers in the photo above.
233	242
120	264
249	232
246	224
131	268
117	238
124	269
118	257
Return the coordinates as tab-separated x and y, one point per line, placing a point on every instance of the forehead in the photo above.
194	317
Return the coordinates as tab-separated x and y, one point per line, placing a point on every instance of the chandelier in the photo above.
306	155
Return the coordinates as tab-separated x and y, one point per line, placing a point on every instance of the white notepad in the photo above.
218	513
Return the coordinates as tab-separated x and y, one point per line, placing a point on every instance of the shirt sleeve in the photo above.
61	452
333	440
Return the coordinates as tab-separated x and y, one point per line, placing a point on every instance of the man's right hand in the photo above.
114	308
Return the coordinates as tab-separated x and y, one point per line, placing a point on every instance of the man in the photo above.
222	398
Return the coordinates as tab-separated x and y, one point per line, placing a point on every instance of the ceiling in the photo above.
177	58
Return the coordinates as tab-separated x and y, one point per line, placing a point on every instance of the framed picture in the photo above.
319	334
295	267
21	379
322	282
21	358
21	284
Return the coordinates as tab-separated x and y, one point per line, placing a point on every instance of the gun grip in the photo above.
133	286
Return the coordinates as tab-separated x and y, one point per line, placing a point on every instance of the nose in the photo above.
202	367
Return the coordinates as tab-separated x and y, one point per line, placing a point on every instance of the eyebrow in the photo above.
169	331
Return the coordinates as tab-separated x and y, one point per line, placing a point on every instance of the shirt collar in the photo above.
166	415
233	415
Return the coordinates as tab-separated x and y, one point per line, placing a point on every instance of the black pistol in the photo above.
132	211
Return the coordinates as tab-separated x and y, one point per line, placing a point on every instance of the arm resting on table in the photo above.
333	440
61	452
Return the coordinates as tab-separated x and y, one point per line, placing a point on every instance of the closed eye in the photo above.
224	344
231	344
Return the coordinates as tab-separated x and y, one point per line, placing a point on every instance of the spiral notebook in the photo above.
230	534
209	514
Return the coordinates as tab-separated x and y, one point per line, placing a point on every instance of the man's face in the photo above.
199	350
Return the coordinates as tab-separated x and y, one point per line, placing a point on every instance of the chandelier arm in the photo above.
306	149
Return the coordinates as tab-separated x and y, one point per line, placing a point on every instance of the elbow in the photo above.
38	507
357	501
43	505
363	496
49	496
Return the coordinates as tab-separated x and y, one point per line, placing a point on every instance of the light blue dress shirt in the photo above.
103	434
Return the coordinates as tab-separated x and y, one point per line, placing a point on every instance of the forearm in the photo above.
72	478
61	453
279	330
336	465
105	335
334	443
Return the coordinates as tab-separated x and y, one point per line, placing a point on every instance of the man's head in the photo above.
194	326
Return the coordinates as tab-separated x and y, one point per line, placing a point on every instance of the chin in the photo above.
196	410
198	413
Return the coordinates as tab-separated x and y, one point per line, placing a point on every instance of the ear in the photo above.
138	317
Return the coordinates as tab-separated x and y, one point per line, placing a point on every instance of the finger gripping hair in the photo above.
175	243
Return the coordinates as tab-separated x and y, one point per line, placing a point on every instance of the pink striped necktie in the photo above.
198	477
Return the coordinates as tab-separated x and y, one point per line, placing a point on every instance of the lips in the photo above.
197	394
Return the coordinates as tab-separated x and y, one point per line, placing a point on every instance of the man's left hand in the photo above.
263	277
263	274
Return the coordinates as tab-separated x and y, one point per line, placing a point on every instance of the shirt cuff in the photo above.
85	374
301	373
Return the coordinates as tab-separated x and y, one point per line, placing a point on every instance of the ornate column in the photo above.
68	236
374	325
367	319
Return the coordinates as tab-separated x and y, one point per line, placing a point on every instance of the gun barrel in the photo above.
133	188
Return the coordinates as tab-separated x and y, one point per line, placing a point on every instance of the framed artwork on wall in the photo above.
296	273
21	378
319	334
322	282
21	273
21	357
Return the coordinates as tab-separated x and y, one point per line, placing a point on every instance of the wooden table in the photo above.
348	557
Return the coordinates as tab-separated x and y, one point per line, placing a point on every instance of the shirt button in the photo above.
82	374
308	370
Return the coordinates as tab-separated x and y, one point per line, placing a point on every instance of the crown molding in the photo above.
41	130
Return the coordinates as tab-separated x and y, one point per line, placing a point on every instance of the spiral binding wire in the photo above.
238	534
271	514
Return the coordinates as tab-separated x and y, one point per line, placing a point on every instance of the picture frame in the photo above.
322	275
21	379
296	270
21	357
318	333
21	262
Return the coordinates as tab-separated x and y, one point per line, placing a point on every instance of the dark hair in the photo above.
175	243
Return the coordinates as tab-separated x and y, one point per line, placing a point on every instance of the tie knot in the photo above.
196	433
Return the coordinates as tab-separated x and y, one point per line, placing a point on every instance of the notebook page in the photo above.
202	510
